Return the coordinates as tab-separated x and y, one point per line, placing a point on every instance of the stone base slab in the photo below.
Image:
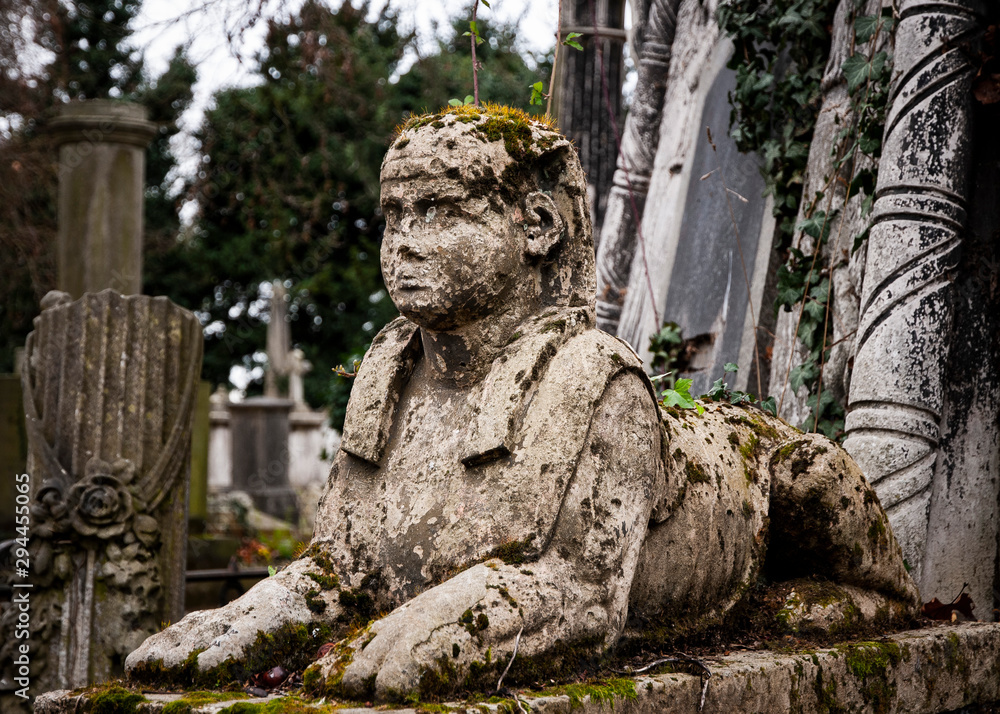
940	669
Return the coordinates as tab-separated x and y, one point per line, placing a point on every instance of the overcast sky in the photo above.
203	25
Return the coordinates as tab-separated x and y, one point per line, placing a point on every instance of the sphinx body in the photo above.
506	480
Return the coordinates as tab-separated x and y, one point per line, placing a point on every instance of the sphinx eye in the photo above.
390	209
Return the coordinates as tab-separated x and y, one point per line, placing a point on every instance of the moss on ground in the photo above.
115	700
193	700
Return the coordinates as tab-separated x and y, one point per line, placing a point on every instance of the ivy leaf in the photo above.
790	289
730	367
867	205
863	182
802	374
679	396
859	240
818	225
769	405
684	385
865	27
856	71
869	144
718	390
878	63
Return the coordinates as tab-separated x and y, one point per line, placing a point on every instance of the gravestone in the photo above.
220	447
109	386
260	455
690	267
711	290
102	160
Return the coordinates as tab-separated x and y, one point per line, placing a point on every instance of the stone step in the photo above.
928	671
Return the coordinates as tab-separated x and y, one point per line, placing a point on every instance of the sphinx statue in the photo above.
507	487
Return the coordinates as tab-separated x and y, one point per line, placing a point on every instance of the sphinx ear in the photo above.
544	224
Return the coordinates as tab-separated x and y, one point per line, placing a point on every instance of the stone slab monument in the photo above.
109	387
102	159
259	429
507	489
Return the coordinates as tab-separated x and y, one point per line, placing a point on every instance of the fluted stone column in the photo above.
109	386
102	171
919	219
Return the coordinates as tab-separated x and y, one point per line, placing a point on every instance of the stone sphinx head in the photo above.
485	209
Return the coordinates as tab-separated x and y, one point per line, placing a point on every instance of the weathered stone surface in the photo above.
102	159
942	669
906	302
109	387
506	480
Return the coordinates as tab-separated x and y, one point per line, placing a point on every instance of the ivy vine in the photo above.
776	102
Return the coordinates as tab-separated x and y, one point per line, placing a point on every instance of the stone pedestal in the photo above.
109	387
941	669
102	169
259	433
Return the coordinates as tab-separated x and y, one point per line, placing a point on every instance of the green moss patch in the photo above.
696	473
600	693
193	700
115	700
513	552
293	646
285	705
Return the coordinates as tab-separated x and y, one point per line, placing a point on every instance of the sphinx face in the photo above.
448	258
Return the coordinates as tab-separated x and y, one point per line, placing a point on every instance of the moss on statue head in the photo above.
526	140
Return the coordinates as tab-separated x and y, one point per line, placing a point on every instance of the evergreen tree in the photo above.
505	75
94	58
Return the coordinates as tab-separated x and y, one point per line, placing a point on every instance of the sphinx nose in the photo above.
410	246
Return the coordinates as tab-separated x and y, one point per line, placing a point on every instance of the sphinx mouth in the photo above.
409	283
